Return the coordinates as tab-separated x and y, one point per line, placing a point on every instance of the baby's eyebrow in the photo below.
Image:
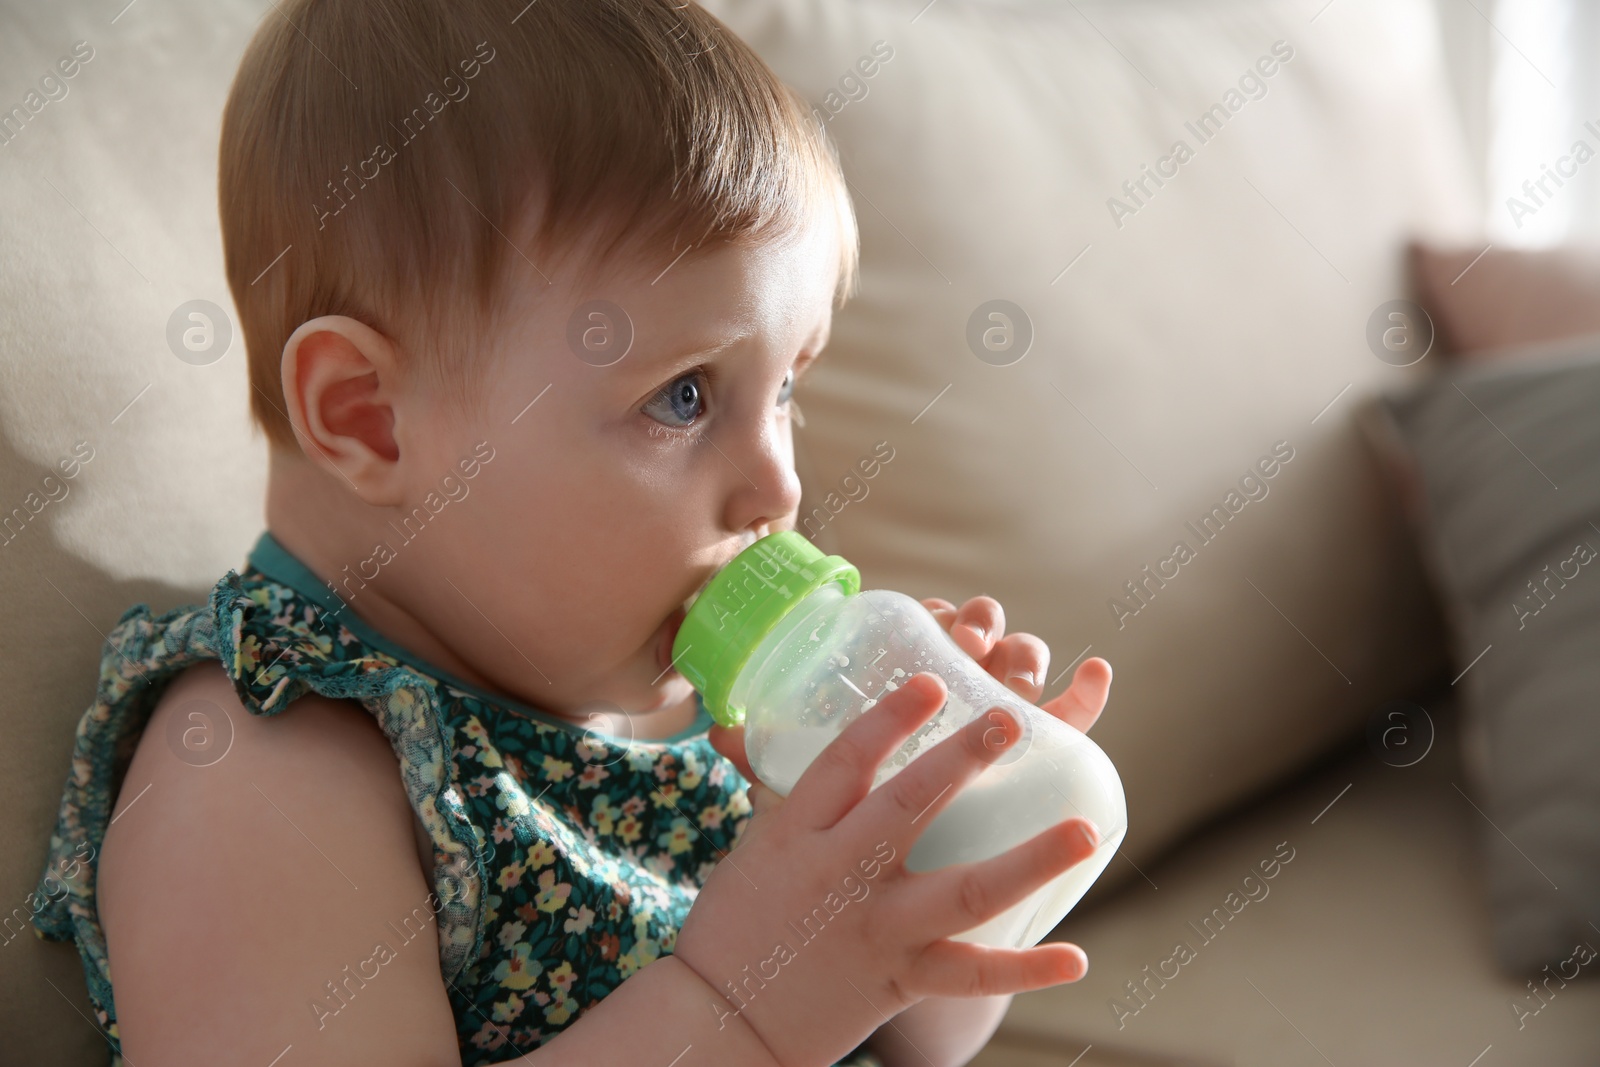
676	360
661	364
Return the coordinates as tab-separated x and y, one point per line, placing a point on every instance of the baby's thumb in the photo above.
762	799
729	743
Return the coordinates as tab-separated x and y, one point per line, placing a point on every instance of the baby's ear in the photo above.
341	381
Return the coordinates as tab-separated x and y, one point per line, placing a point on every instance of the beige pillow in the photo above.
1497	304
1189	333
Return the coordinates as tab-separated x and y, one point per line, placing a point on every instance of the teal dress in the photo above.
564	859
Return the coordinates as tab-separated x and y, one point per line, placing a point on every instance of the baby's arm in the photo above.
237	896
663	1014
243	901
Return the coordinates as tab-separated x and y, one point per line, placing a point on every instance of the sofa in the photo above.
1123	320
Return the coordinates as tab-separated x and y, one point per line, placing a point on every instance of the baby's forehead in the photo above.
609	254
692	301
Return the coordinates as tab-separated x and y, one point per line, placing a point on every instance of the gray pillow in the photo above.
1504	473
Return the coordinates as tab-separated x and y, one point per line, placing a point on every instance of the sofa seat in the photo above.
1369	948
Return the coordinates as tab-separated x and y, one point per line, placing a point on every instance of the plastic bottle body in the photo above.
835	655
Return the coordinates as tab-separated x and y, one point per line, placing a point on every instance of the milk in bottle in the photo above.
784	641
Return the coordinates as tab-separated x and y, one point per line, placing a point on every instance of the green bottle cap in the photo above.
741	605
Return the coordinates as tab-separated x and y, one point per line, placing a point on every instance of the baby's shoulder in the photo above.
259	852
207	763
200	722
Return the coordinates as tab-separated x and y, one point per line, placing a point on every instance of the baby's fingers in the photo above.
1081	703
962	969
952	899
909	802
729	743
978	624
1019	661
842	774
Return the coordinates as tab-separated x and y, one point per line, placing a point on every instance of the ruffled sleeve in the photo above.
275	647
279	646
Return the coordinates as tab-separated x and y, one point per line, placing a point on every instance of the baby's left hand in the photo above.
1019	660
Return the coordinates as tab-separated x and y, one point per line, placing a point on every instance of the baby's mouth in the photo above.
689	603
669	634
674	621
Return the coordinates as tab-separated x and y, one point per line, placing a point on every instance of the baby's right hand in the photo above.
816	933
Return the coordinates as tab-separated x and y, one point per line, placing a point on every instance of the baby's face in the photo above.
616	490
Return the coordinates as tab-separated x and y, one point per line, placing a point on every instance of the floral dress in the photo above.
565	859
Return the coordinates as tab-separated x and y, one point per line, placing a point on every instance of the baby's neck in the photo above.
313	518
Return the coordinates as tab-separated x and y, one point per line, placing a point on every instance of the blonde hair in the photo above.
377	155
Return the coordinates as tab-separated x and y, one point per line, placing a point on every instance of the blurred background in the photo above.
1526	84
1253	345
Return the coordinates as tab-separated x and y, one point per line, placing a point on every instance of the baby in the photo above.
525	292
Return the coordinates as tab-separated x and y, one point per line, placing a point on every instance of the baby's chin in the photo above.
631	693
672	689
646	687
645	682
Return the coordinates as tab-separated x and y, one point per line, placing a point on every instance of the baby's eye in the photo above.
786	390
680	401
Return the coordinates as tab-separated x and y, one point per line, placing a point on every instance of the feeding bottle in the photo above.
784	641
